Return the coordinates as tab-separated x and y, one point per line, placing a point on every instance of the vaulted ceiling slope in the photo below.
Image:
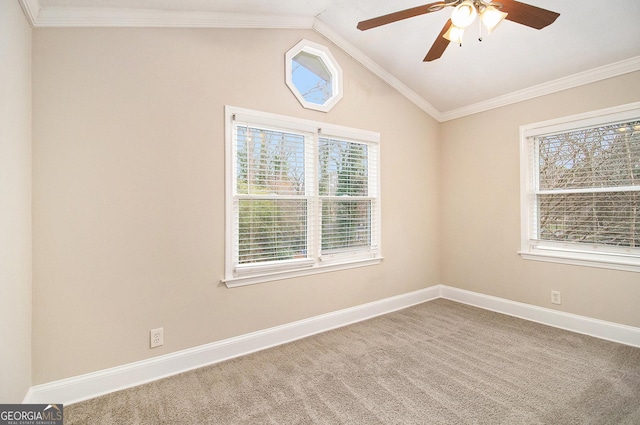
590	41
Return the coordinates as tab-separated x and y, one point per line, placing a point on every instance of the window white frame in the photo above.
324	55
532	248
316	261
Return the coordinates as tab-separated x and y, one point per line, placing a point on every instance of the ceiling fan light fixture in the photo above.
491	17
464	14
454	34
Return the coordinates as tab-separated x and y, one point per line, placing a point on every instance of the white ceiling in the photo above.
591	40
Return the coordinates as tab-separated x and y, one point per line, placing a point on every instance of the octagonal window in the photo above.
313	75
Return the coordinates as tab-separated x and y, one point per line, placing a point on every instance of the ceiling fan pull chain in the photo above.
480	30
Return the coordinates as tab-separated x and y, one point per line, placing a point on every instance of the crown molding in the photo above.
112	17
590	76
165	18
31	10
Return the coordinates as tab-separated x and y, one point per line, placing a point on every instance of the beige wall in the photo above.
15	203
128	191
128	195
481	210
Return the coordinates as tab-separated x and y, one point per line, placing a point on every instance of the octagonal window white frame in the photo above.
335	72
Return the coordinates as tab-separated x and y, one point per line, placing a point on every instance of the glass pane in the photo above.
343	168
271	230
607	156
311	78
346	224
609	218
269	162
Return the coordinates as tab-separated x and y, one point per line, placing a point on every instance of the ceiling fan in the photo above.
464	13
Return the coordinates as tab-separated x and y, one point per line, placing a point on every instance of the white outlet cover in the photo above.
156	337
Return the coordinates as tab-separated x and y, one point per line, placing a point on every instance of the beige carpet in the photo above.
437	363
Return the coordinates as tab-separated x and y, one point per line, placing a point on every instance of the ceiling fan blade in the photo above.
439	46
525	14
400	15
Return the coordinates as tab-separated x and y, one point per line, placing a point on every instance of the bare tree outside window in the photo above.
589	186
312	87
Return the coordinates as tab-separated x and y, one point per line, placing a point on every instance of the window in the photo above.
580	186
302	197
313	76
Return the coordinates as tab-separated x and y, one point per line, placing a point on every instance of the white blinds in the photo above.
588	186
269	162
271	205
347	171
300	196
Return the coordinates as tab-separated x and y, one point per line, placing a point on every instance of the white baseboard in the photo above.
83	387
610	331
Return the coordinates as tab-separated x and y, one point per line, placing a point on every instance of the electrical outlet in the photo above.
555	297
156	337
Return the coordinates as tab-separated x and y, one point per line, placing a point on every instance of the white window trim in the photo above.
627	259
329	61
241	275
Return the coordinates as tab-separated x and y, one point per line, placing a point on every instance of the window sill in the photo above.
602	261
288	274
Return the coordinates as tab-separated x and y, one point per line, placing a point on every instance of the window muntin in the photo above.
303	196
581	189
